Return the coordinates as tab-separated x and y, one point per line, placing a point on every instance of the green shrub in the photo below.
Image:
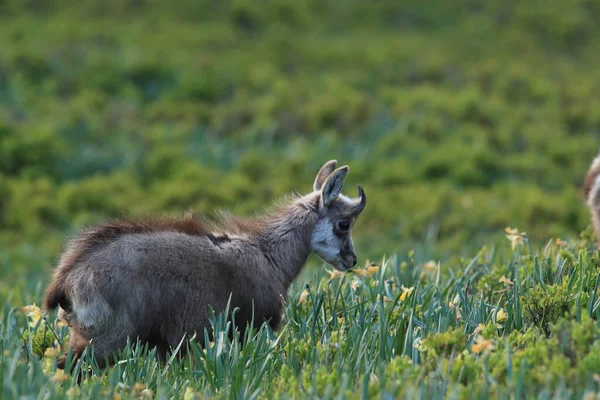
545	304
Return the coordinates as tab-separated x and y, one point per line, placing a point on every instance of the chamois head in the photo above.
331	238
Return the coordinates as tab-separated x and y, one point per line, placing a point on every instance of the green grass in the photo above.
407	330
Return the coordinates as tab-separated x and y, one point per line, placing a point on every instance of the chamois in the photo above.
591	191
155	281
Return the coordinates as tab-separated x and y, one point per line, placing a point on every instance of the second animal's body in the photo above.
591	188
157	280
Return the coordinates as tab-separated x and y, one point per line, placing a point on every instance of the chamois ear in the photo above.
333	186
324	172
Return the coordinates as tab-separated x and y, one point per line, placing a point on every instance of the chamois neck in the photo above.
286	238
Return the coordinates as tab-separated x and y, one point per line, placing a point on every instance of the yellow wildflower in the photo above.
478	329
515	240
561	243
406	292
505	280
60	376
51	352
361	273
430	266
481	344
335	274
372	270
138	387
514	236
501	316
511	231
303	296
33	312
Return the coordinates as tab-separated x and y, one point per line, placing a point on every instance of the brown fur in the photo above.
155	280
590	179
591	191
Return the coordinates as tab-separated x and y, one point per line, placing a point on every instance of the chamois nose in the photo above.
353	260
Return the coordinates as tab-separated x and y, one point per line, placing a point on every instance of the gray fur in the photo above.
156	280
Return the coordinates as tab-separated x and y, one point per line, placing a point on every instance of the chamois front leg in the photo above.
77	344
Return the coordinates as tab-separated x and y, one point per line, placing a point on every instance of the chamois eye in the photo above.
343	226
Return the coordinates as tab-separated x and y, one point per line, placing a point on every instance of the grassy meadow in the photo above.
470	125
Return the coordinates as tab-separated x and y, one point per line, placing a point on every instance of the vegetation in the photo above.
403	329
458	119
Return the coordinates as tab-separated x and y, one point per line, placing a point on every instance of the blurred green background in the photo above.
458	118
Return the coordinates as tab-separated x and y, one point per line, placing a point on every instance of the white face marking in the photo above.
324	242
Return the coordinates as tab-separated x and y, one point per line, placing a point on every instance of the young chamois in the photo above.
591	190
155	280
